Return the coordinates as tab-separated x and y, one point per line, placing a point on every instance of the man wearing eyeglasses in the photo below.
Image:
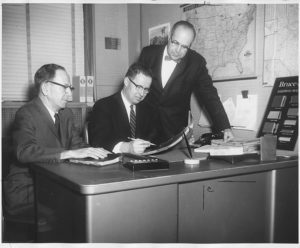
179	71
123	122
43	131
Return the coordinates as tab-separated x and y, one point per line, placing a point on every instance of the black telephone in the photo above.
206	138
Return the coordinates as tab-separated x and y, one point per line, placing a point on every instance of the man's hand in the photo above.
91	152
228	135
135	146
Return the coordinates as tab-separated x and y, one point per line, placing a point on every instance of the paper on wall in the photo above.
245	113
229	109
241	116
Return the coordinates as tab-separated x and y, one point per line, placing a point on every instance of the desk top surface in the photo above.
87	179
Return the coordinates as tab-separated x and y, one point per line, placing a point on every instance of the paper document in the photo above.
242	115
236	147
216	150
245	113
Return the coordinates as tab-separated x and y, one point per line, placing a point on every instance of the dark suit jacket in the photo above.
36	140
173	101
109	123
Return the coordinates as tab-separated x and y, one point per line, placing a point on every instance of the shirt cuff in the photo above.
117	148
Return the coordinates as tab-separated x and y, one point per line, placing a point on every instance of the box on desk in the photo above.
137	162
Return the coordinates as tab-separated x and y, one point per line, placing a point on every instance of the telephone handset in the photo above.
206	138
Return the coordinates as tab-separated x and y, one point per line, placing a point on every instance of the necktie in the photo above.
56	124
132	122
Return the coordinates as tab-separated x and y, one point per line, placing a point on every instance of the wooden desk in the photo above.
246	202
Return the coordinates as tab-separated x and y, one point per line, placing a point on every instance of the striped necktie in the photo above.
132	122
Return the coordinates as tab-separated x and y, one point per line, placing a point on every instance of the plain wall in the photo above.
110	64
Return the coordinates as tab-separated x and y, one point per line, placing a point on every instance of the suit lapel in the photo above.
139	119
45	116
157	67
178	70
121	115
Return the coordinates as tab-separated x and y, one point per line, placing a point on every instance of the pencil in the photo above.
188	145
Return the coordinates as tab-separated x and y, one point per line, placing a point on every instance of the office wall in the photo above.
110	21
155	14
120	21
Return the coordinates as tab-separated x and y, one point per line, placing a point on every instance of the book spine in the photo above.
90	89
82	90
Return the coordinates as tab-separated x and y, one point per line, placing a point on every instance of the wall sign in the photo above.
281	116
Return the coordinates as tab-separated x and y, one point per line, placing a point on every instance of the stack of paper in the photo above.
236	147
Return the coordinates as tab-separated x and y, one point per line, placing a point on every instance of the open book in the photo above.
167	144
110	159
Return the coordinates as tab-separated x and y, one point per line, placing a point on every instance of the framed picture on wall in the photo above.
158	35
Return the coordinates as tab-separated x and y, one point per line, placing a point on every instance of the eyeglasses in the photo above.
140	88
176	43
63	85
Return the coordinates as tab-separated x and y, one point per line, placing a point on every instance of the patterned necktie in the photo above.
56	124
132	122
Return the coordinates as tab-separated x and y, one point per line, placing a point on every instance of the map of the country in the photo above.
225	38
281	42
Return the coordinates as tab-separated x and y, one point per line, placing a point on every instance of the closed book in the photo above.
79	82
90	89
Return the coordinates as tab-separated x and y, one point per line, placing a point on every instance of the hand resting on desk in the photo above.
91	152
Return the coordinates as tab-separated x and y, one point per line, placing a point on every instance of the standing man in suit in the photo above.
123	122
177	72
43	131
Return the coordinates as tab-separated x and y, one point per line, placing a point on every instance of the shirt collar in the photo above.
51	112
166	54
126	102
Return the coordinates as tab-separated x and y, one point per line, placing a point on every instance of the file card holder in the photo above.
138	163
268	144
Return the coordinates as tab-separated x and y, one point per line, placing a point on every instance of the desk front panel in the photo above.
142	215
225	210
112	204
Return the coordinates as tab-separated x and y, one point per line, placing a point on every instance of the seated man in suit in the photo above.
43	131
122	122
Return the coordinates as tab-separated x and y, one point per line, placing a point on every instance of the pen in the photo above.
130	138
188	145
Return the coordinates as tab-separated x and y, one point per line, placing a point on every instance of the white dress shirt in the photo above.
51	112
167	68
127	107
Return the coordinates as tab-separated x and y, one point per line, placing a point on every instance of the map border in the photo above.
250	76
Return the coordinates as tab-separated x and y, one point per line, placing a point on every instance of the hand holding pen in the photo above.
139	145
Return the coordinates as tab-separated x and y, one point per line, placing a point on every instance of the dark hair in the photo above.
185	24
137	68
46	72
